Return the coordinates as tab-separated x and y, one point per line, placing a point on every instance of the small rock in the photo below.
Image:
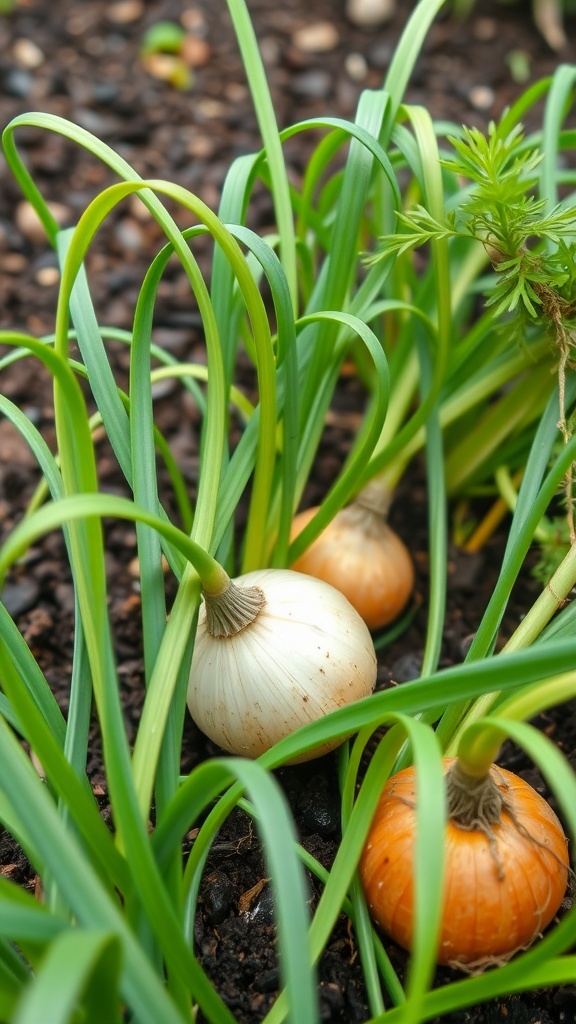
209	108
318	37
356	66
18	82
105	92
47	277
369	13
217	897
195	52
312	85
481	97
485	29
124	11
262	910
27	54
129	234
320	808
14	262
408	666
193	20
201	147
380	55
19	597
29	223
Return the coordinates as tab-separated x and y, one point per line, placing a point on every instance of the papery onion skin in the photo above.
488	913
306	654
371	567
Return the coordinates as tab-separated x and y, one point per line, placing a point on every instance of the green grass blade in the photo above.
266	117
64	858
347	482
558	102
71	788
98	367
526	519
406	54
279	842
290	891
80	969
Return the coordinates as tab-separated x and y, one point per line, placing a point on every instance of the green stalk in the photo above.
266	117
533	700
516	407
538	616
406	54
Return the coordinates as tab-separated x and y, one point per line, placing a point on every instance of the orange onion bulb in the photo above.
360	555
503	883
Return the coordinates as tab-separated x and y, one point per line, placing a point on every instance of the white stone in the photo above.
318	37
368	13
29	223
27	54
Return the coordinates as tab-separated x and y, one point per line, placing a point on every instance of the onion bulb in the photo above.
360	555
273	652
506	866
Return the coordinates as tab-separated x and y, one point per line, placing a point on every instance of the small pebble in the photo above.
48	276
195	52
18	82
481	97
200	147
29	223
312	85
14	263
129	234
217	897
263	909
19	597
105	92
27	54
485	29
356	67
318	37
369	13
124	11
322	816
406	667
380	55
209	108
193	20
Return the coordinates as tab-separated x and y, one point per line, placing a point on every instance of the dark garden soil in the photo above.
81	60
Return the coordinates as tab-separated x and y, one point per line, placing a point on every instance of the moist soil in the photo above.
82	61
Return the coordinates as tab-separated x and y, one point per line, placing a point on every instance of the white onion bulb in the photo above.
305	653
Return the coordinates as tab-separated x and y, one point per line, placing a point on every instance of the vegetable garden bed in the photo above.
167	134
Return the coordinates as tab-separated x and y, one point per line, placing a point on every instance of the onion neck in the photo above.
232	608
369	509
474	800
